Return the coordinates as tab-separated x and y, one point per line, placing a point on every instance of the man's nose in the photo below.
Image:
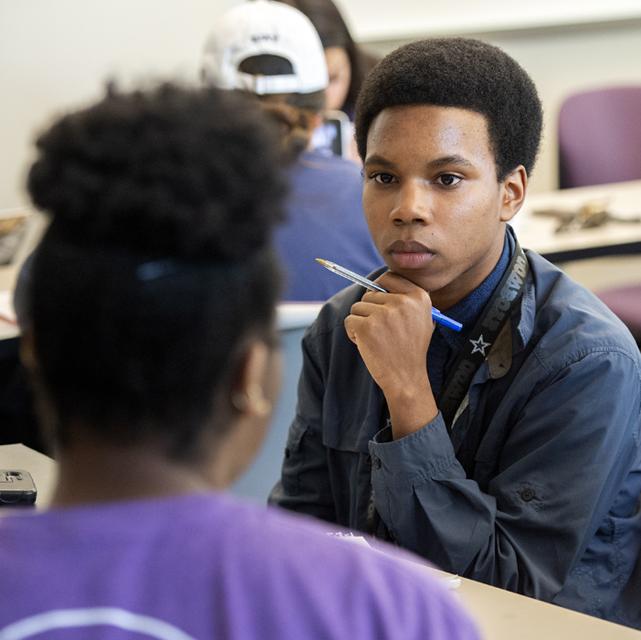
413	204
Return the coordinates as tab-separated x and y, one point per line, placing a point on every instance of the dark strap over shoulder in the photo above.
480	340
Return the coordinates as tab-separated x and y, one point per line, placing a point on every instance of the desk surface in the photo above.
503	615
613	238
500	614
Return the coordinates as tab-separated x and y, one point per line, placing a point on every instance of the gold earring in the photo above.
251	401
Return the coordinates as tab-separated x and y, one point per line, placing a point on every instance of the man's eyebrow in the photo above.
437	163
378	160
449	160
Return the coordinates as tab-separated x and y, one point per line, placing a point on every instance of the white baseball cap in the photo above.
263	27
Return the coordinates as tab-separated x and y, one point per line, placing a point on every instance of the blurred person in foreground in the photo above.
508	453
272	51
151	341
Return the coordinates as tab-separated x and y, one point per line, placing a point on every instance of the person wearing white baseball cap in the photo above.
262	28
272	50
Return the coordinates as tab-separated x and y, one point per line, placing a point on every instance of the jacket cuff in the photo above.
415	457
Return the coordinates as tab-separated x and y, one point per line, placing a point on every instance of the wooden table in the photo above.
503	615
613	238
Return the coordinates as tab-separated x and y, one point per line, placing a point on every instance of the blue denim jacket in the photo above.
535	489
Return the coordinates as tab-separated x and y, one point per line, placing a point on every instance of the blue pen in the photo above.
437	316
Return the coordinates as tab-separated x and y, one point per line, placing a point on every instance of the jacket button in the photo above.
527	494
376	462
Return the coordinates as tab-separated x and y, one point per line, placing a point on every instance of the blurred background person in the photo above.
271	50
347	62
347	66
151	341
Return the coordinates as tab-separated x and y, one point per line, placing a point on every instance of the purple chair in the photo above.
626	304
599	134
600	142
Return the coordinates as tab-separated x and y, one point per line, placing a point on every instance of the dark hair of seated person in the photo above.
156	270
464	73
295	114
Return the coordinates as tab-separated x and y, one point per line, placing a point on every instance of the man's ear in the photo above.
513	189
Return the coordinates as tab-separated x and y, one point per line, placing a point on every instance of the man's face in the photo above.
434	206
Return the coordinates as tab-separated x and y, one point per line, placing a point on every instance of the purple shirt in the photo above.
205	566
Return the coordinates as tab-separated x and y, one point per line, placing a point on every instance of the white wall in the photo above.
56	54
374	20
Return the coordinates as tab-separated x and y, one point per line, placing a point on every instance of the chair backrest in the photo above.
626	303
293	318
599	134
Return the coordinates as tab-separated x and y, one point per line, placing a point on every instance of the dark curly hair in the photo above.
157	264
465	73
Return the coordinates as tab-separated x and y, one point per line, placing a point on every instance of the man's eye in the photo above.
382	178
449	179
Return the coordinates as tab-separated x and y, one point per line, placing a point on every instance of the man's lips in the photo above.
408	246
409	254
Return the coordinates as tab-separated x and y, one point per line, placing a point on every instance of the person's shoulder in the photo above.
334	311
403	596
297	541
285	566
572	321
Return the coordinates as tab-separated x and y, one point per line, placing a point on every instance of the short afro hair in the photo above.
464	73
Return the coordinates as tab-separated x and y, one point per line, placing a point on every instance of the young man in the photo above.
272	51
507	453
150	337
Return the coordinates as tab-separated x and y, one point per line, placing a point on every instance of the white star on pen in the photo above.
480	345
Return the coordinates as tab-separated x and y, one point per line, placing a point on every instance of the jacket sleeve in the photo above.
304	485
561	466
